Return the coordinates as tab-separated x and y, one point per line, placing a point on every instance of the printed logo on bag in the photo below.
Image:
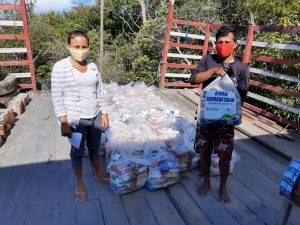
220	105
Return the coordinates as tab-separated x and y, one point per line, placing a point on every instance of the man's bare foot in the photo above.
224	196
203	189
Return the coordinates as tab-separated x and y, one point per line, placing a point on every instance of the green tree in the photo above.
133	46
276	12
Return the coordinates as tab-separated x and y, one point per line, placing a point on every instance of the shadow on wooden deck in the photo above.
42	193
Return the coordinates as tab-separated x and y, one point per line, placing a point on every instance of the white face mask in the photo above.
79	55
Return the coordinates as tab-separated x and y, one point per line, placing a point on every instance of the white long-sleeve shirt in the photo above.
65	92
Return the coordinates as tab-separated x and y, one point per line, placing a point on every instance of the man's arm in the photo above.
204	76
243	84
201	73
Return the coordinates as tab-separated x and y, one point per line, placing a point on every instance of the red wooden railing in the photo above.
20	8
246	56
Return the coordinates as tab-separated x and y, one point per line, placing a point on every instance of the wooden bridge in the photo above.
37	182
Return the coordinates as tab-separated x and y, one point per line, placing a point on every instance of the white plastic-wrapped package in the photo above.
142	126
195	160
167	133
220	102
127	176
214	168
102	148
182	152
183	145
189	136
121	176
114	156
155	179
163	171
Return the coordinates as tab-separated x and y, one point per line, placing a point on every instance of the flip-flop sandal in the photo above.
80	196
104	179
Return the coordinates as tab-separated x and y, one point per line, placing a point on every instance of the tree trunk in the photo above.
144	14
101	37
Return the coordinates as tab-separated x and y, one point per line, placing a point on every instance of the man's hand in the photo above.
219	71
105	121
204	76
65	130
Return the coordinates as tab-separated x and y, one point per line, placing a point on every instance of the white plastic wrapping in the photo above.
148	139
127	175
214	168
163	170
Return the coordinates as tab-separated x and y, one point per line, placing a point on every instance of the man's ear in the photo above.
67	47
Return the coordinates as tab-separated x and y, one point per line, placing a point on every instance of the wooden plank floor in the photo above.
37	183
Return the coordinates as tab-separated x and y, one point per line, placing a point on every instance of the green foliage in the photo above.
117	60
277	12
233	12
147	47
206	11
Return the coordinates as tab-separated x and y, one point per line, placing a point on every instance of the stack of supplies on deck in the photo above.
149	141
183	145
127	175
163	169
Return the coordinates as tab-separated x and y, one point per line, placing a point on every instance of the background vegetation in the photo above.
133	43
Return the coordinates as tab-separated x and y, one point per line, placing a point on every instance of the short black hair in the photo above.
78	33
225	30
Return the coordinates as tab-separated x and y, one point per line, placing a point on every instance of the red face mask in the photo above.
224	50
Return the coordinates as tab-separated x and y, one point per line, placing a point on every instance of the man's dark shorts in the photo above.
215	137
